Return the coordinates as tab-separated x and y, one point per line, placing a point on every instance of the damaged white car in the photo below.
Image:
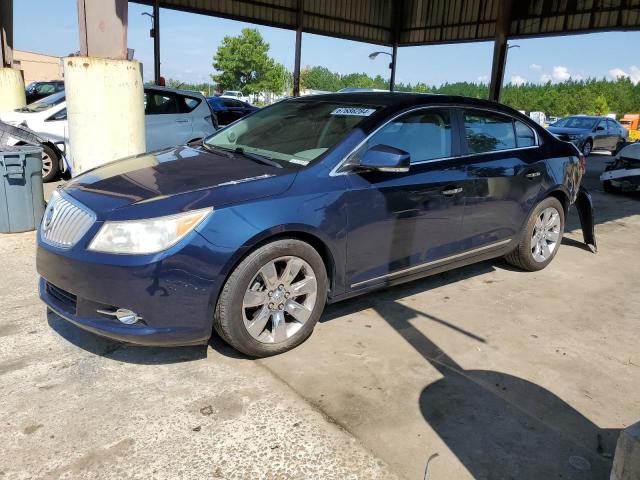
623	174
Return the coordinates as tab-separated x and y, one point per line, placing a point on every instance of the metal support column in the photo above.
103	28
296	65
6	33
503	23
397	8
156	41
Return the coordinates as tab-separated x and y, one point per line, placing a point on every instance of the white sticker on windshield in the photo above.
354	111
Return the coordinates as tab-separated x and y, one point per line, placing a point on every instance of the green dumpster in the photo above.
21	194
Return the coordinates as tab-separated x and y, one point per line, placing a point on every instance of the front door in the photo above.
399	222
506	177
601	139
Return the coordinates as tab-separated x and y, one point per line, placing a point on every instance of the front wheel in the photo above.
273	299
541	238
586	149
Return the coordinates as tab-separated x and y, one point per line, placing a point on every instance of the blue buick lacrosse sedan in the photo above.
309	201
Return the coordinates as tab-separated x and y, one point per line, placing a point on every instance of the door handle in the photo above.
182	120
451	191
532	175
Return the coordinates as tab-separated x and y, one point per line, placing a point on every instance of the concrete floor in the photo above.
487	371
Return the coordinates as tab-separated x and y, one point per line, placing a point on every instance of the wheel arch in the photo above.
562	197
298	232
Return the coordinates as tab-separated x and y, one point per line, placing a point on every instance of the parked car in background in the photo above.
309	200
37	90
590	133
235	94
623	174
228	110
172	117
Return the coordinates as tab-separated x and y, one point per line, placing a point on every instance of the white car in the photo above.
172	117
235	94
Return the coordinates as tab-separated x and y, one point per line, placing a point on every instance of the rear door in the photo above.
506	175
165	124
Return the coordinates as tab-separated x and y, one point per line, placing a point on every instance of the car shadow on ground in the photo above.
123	352
496	424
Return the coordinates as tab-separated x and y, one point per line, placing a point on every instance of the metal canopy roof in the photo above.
423	22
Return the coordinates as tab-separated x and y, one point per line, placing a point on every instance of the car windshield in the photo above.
46	102
576	122
292	132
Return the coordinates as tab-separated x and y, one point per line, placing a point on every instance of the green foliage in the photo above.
243	64
207	89
560	99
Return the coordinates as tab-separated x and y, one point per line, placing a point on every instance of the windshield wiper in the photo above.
257	158
214	149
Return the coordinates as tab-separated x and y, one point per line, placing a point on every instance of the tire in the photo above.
236	313
50	164
524	256
609	188
587	148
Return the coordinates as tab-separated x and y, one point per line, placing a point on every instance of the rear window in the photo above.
156	103
488	132
189	104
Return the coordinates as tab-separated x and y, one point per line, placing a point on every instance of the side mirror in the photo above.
385	158
599	128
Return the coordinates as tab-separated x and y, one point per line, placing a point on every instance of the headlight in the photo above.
151	235
575	137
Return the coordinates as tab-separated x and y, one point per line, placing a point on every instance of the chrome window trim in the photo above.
432	263
335	171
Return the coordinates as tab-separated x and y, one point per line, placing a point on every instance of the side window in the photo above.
524	135
488	132
228	102
424	134
160	104
189	103
603	124
45	89
612	125
61	115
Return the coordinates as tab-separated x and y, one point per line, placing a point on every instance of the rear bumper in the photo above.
174	296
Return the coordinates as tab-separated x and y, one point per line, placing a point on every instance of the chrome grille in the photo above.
65	221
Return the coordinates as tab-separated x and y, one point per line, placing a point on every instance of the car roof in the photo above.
157	88
405	99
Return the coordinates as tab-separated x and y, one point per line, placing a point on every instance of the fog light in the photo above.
124	315
127	316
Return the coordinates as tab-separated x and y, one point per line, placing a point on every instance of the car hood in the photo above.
568	131
15	118
174	180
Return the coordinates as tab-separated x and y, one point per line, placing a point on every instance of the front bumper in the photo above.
174	296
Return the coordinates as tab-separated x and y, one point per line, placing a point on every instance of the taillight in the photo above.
582	160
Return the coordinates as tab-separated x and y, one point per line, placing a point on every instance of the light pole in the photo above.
392	66
155	34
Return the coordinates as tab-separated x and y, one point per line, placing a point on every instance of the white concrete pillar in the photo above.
105	110
12	94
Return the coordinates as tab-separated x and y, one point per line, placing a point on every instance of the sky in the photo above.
189	42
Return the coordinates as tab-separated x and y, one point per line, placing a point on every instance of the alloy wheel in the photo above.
586	150
546	234
279	299
47	164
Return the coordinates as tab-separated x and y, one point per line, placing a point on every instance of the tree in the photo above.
243	64
600	105
320	78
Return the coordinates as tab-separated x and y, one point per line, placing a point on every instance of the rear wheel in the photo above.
541	238
50	164
273	299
